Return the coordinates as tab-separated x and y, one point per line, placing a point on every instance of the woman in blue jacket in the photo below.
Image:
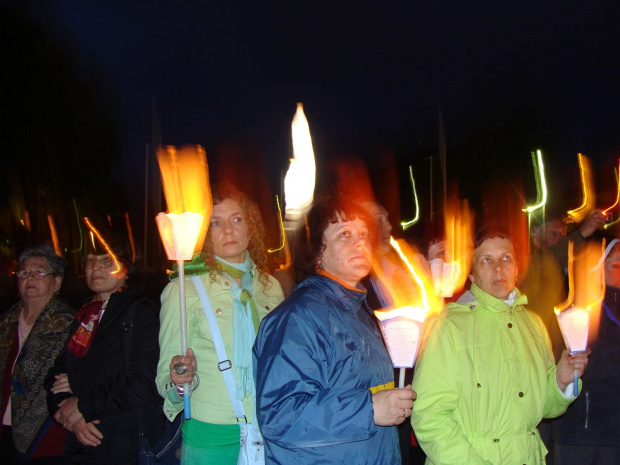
325	384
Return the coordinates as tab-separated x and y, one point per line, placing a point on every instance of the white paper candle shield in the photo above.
179	233
574	324
402	331
444	277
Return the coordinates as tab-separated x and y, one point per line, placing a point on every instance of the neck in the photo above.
33	308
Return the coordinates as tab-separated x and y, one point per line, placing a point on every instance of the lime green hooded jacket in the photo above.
485	377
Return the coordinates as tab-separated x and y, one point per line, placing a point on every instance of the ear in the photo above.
57	283
472	279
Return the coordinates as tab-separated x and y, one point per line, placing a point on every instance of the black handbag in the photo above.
167	451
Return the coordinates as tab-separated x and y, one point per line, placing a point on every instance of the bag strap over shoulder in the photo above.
224	363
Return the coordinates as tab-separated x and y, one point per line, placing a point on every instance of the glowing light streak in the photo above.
541	183
402	326
606	211
95	234
131	241
54	233
578	214
407	224
281	228
459	221
300	178
585	295
79	225
285	242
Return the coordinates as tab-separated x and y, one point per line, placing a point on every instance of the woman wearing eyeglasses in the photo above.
32	332
102	386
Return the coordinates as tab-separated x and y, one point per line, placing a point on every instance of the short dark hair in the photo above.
325	211
490	231
55	262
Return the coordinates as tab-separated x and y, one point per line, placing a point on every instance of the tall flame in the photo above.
185	179
579	214
606	211
301	176
586	281
459	221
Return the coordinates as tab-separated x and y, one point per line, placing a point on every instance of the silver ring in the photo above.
179	368
404	413
64	425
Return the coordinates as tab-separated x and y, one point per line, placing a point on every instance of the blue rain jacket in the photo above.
317	357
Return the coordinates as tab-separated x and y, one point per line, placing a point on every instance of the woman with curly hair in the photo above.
241	293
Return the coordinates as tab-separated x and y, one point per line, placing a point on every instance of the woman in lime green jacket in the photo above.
232	270
486	375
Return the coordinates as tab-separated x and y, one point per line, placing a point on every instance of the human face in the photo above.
494	267
612	269
43	289
229	231
553	232
437	251
347	251
383	225
104	282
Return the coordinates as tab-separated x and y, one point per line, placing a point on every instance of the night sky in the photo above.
371	75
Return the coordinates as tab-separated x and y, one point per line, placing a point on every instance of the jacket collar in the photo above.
477	295
350	297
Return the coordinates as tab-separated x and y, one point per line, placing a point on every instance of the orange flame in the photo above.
104	244
586	281
579	214
50	222
131	241
605	212
185	179
459	221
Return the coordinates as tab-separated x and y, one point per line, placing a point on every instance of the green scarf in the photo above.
195	267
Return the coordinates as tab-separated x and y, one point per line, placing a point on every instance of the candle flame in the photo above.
185	179
459	221
586	280
301	176
579	214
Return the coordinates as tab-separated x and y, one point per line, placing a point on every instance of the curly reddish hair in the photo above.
256	232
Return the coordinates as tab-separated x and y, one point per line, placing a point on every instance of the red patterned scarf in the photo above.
88	317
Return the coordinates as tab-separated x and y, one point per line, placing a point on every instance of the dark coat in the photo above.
594	418
108	390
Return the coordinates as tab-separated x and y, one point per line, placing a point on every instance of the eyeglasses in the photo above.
36	274
104	263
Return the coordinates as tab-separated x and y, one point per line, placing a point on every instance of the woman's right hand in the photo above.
190	362
393	406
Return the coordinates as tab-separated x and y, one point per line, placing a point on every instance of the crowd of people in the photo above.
306	377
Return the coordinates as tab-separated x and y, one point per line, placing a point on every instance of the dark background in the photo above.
90	88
